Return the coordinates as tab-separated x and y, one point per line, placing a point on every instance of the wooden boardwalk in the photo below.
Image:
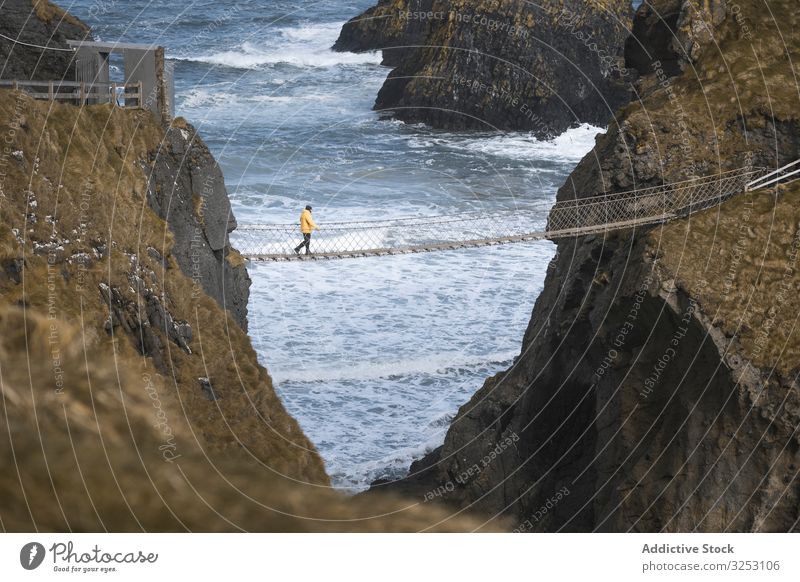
566	219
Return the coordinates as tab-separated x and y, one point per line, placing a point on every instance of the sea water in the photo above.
372	356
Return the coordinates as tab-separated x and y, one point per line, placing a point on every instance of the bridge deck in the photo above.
467	244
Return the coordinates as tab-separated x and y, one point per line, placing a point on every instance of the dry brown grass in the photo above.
89	459
737	78
740	261
235	259
47	12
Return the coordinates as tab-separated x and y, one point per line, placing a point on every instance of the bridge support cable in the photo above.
788	171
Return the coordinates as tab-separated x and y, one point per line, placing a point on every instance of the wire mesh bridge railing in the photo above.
567	218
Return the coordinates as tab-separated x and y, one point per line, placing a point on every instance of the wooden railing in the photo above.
117	94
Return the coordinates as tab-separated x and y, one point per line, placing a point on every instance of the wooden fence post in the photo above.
50	92
83	94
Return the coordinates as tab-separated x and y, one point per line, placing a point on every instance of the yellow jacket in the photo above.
307	224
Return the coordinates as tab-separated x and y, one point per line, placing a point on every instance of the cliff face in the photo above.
37	22
541	67
657	388
81	243
187	189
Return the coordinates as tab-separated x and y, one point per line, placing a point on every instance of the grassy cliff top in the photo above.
738	260
742	81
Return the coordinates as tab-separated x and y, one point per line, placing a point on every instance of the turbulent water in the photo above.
372	356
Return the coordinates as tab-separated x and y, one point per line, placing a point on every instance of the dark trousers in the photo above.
306	243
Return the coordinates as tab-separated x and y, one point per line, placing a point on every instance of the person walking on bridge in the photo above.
307	226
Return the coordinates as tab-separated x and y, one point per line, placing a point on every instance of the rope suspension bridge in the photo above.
567	218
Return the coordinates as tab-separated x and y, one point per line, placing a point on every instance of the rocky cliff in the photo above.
541	67
657	385
187	189
37	22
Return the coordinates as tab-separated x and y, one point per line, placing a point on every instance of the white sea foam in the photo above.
209	97
304	46
373	368
569	147
391	466
204	97
442	363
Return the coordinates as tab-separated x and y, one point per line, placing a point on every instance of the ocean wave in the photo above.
302	46
444	363
208	97
394	464
391	467
570	147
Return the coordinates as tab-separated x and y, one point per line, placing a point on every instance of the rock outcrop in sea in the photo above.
382	28
516	65
657	385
